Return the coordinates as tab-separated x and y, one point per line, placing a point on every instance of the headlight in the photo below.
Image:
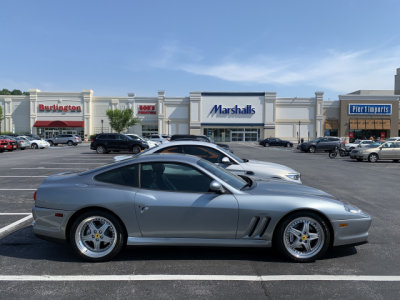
293	176
352	209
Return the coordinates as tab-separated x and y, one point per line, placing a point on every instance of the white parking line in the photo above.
22	176
14	214
43	168
197	278
13	226
18	189
71	163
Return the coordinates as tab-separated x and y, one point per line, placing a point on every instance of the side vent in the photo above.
257	227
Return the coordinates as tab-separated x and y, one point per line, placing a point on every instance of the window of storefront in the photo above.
367	128
331	127
49	132
147	130
233	134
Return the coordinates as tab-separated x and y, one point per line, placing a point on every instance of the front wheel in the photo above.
312	149
372	157
51	143
100	150
70	143
136	149
302	237
34	146
97	236
266	145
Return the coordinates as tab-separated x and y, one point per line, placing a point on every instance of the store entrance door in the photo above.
51	133
69	131
237	136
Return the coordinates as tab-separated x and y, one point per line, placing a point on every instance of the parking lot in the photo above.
30	267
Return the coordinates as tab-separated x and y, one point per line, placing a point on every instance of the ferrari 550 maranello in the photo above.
178	199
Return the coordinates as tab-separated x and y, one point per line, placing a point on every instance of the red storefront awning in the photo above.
59	124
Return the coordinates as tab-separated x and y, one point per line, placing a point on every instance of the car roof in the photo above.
187	142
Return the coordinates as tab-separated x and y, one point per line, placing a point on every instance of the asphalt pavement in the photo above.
35	269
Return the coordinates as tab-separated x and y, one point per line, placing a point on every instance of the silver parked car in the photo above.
225	159
375	152
178	199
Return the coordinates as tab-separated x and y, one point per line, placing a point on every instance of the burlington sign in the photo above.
56	107
218	109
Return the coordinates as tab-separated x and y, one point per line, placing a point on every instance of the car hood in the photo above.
265	187
260	165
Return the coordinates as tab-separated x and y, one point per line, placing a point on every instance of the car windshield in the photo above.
230	155
315	140
373	145
231	179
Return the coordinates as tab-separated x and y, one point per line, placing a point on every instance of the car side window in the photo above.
207	153
127	176
173	177
174	149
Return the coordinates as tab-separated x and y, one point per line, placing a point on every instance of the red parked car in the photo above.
7	144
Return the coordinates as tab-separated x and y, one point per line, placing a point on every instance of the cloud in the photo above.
334	70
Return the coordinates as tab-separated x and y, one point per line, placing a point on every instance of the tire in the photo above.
395	160
34	146
51	143
373	157
136	149
287	145
266	145
97	236
312	149
23	148
359	159
342	153
101	149
332	154
55	145
302	237
70	143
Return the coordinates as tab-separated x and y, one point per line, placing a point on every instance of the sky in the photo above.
292	47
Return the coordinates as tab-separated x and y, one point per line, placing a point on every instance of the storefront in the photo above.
369	114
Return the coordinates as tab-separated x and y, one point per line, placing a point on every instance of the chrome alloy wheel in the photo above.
304	237
95	237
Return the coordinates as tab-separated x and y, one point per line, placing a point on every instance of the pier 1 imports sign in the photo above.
370	109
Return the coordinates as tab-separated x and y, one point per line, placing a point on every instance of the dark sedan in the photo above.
275	142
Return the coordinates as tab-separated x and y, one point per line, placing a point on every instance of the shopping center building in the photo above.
224	116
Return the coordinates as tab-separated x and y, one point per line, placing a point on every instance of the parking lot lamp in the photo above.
299	131
102	121
168	127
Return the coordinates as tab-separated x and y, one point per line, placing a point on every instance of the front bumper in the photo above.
354	231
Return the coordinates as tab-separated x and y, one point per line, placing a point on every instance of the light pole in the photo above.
168	127
102	126
299	131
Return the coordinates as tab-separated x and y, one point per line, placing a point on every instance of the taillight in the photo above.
34	196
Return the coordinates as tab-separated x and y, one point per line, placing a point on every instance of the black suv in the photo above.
320	144
106	142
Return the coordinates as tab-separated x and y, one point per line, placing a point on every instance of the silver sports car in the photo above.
177	199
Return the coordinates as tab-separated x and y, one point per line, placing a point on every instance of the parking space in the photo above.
243	272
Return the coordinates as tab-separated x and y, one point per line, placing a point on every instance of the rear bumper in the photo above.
47	225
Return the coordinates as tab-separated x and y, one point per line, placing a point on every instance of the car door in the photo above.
323	144
174	202
396	150
386	150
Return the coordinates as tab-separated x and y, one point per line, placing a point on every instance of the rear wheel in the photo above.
70	143
266	145
302	237
288	145
97	236
136	149
332	154
312	149
51	143
373	157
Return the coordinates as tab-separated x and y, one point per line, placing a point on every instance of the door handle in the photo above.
143	208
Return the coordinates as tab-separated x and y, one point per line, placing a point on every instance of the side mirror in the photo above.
216	187
225	160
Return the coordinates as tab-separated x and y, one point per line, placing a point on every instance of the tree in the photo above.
121	119
1	117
